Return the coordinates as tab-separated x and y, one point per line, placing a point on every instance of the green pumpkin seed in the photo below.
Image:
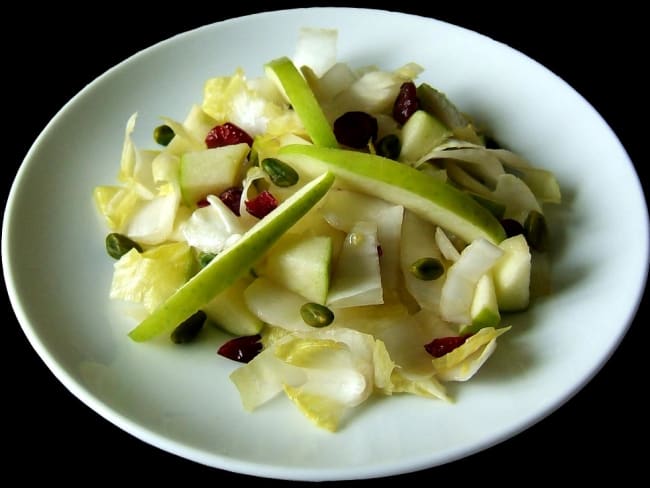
536	231
117	245
427	269
187	330
281	173
389	147
316	315
205	258
163	135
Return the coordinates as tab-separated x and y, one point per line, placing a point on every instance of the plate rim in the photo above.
144	434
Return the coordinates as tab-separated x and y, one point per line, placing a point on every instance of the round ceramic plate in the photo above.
180	399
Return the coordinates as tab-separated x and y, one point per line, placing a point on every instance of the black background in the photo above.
49	54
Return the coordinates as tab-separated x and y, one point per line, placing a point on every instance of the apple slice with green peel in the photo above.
211	171
430	198
301	264
302	98
458	290
233	263
421	133
484	309
512	273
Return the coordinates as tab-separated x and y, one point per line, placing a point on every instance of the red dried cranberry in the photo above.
406	102
355	129
442	345
226	135
231	198
242	349
202	203
261	205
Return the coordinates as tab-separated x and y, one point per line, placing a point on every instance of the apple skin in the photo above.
233	263
423	194
485	309
303	100
421	133
511	274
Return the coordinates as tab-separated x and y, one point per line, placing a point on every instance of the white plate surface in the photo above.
180	399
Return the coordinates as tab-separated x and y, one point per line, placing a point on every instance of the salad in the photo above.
350	229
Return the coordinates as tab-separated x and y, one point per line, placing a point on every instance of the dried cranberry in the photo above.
442	345
231	198
202	203
226	135
355	129
406	102
261	205
242	349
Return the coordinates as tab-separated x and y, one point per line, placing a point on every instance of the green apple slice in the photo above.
423	194
303	100
210	171
512	273
233	263
484	310
459	287
301	264
421	133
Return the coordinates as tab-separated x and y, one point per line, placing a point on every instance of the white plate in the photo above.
181	400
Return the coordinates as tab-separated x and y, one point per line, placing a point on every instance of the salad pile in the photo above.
351	230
